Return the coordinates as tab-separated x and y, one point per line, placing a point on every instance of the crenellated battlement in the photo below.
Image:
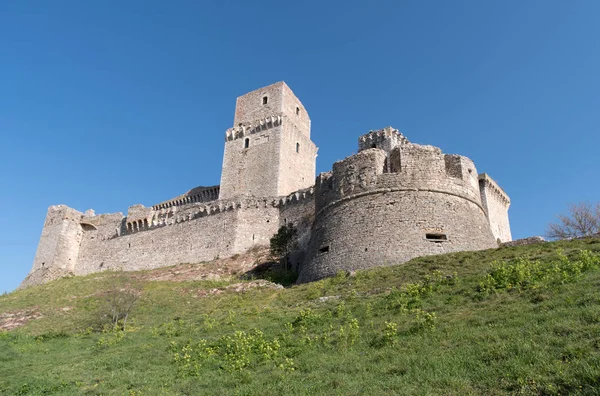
485	181
195	195
408	167
140	218
245	129
386	139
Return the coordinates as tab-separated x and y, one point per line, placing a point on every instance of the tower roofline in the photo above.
266	87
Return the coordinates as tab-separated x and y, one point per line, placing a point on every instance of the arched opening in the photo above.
246	143
88	227
297	111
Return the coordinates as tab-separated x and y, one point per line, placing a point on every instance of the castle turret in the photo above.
268	152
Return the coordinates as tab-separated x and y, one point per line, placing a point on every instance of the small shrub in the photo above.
109	339
424	320
230	352
51	335
349	333
119	303
390	333
170	329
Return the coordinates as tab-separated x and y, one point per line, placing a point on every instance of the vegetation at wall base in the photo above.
520	320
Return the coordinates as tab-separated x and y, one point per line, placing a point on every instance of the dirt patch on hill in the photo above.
218	269
14	319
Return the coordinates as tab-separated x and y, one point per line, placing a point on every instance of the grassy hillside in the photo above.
523	320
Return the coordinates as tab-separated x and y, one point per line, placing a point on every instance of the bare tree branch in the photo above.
582	219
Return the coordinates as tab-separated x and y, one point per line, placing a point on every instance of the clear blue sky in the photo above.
105	104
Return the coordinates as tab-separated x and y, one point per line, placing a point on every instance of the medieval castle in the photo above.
392	201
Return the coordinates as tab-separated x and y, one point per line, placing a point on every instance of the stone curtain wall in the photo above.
366	217
74	243
194	241
188	234
298	209
496	203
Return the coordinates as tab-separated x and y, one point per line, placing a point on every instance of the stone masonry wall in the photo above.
297	160
496	203
294	109
80	244
365	217
268	152
298	209
252	170
250	107
198	240
60	239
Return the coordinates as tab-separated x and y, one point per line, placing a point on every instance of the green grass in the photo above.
522	320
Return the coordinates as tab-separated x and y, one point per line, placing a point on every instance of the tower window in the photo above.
297	147
246	142
297	111
265	100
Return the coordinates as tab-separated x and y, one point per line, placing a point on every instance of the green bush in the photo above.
524	273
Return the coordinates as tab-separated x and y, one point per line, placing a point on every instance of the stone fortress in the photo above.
390	202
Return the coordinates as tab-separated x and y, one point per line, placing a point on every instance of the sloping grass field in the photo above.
521	320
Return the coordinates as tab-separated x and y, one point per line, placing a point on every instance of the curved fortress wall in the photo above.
385	207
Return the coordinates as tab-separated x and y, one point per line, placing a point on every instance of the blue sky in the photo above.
107	104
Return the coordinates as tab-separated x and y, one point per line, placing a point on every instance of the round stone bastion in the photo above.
383	208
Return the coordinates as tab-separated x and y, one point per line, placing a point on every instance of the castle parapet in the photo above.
385	139
249	128
409	167
140	218
195	195
485	181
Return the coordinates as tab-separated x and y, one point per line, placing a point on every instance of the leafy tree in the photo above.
582	219
284	242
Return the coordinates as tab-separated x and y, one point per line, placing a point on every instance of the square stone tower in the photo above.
268	152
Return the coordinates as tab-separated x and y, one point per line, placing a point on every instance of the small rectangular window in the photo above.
265	100
324	249
436	237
